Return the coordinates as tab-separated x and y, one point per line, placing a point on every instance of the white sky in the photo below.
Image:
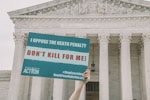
7	29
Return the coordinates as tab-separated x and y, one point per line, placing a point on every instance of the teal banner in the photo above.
56	56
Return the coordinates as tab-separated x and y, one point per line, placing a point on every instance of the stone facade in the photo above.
119	32
4	84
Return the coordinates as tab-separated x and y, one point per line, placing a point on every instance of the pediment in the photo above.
86	7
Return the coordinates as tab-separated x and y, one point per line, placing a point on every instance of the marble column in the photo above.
103	67
146	41
141	63
126	83
83	92
17	89
58	89
38	90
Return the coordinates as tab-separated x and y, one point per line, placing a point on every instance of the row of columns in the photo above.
19	85
125	62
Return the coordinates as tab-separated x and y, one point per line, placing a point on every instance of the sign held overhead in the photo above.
56	56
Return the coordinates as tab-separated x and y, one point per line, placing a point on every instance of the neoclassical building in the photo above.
119	33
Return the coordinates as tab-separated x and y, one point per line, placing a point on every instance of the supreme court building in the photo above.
119	59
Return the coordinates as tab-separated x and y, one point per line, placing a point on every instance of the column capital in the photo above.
146	38
103	37
20	38
125	37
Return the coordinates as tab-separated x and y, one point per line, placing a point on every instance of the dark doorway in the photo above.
92	91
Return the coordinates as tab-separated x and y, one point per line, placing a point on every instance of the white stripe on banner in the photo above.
56	56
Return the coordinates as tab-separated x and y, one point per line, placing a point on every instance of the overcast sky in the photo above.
7	29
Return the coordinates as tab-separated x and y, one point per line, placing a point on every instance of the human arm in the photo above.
76	94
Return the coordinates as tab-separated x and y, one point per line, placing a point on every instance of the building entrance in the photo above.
92	91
